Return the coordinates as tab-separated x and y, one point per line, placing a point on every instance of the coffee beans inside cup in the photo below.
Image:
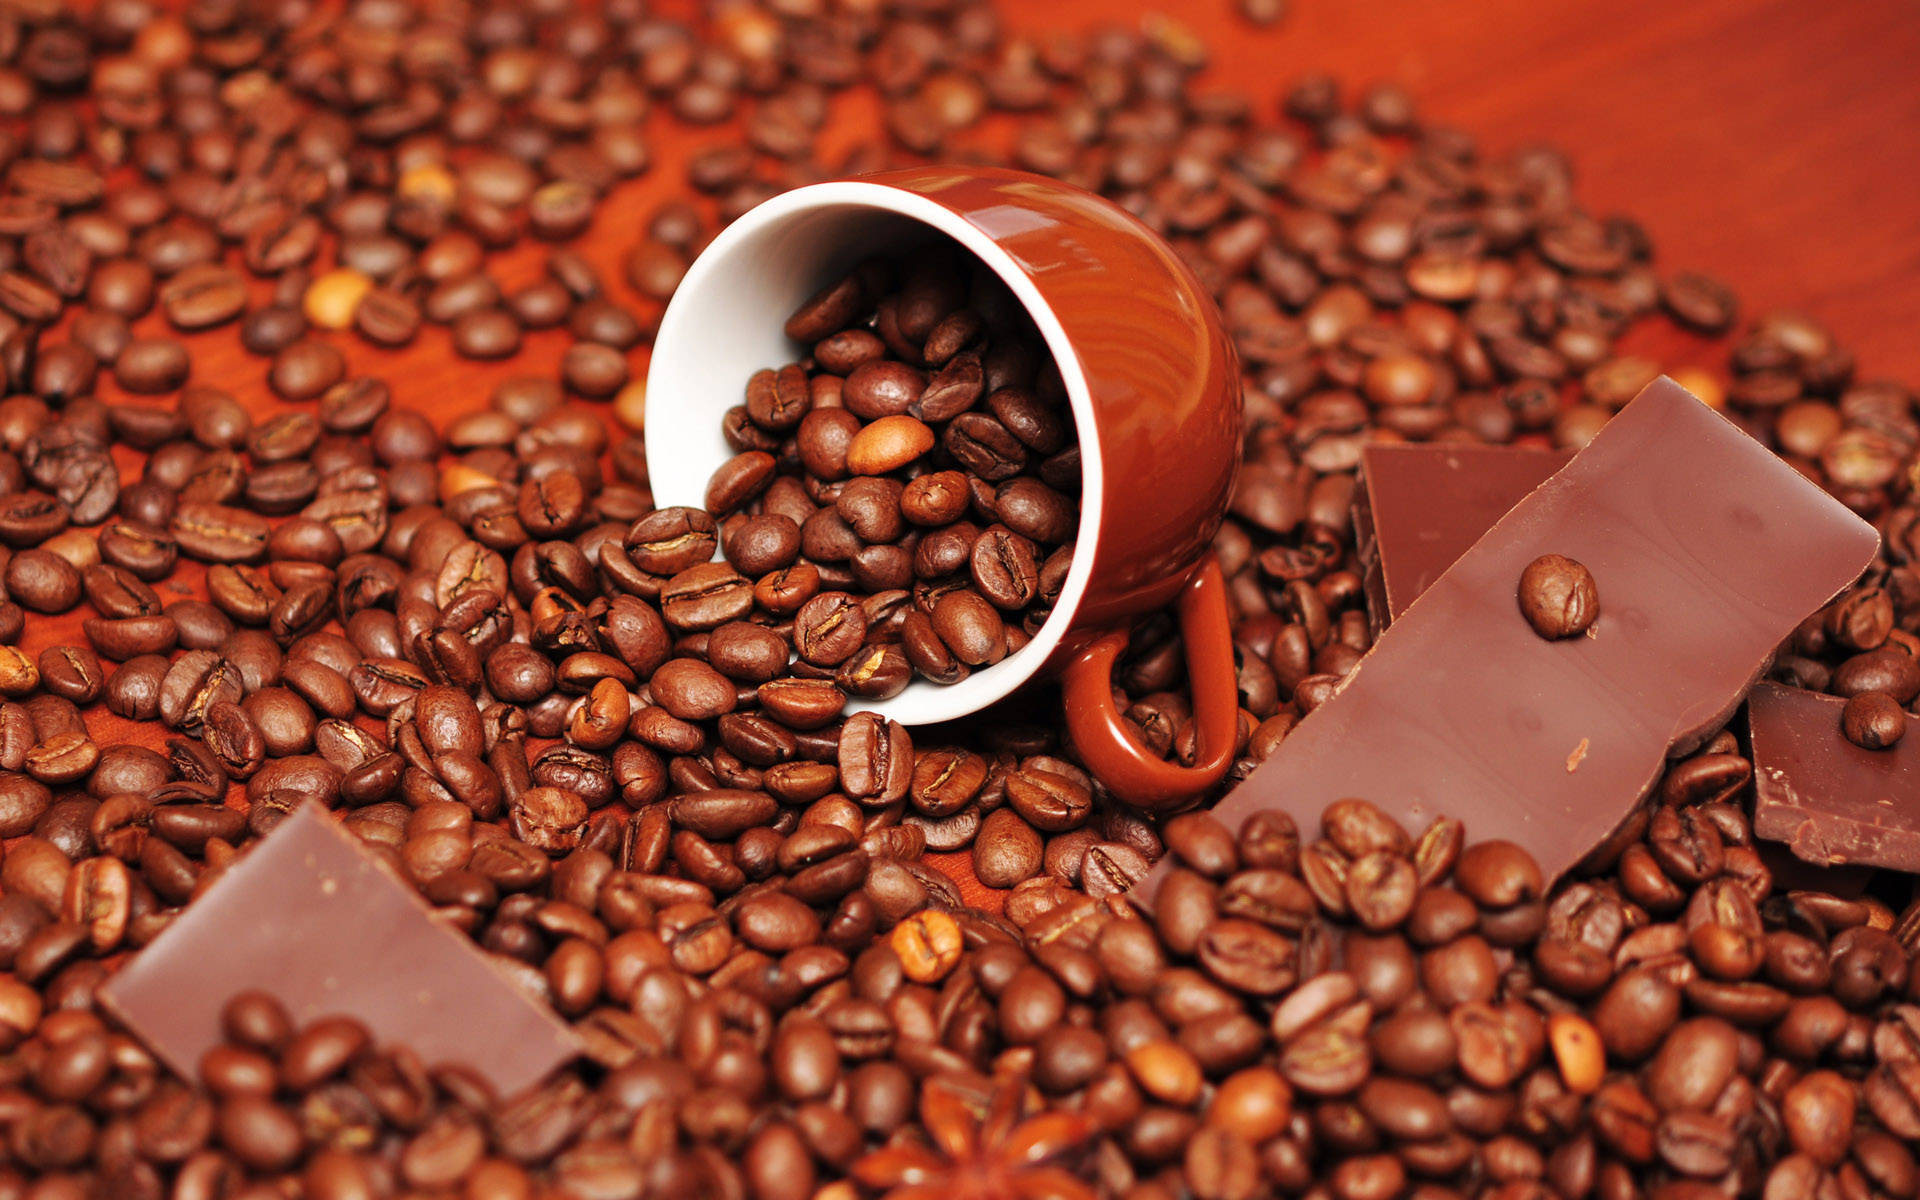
904	497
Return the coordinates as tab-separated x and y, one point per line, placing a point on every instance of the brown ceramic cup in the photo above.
1150	375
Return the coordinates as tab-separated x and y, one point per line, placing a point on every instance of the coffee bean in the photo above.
219	533
306	369
1558	596
30	518
152	365
485	333
803	704
41	581
705	597
333	299
739	480
691	690
203	296
1699	302
970	627
672	540
1873	720
72	672
593	370
929	946
1005	568
888	444
1112	868
1006	850
1049	801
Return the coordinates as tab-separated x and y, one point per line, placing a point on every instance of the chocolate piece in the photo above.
1708	550
1792	874
310	917
1827	799
1421	506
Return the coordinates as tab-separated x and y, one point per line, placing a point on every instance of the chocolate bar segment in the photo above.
310	917
1707	550
1792	874
1420	506
1827	799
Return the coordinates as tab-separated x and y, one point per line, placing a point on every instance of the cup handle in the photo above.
1106	743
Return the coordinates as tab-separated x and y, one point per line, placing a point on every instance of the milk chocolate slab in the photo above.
1827	799
1707	550
1420	506
310	917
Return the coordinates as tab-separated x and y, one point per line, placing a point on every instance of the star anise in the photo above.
995	1153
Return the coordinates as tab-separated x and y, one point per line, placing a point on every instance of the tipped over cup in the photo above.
1150	377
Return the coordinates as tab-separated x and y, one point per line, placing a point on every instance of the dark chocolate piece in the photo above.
1791	874
310	917
1420	506
1708	550
1827	799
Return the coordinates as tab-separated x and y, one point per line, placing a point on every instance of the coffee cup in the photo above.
1150	376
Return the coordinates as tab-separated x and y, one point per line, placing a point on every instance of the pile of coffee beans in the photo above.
926	410
551	710
1358	1011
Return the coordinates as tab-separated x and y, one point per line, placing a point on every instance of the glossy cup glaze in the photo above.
1149	372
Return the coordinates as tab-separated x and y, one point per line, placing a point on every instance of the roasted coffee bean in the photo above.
220	534
876	759
1873	720
1006	850
705	597
1558	596
829	628
888	444
203	296
970	627
41	581
30	518
803	704
72	672
152	365
305	369
672	540
1005	568
1699	302
147	551
1049	801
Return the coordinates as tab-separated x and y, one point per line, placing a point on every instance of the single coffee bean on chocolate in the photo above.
1558	597
1873	721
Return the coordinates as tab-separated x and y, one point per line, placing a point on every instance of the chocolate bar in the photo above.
1420	506
1827	799
1792	874
1707	549
313	919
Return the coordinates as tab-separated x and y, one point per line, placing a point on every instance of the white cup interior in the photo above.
725	321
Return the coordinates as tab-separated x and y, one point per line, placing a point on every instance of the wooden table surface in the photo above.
1773	143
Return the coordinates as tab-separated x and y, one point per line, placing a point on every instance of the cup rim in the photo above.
924	702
